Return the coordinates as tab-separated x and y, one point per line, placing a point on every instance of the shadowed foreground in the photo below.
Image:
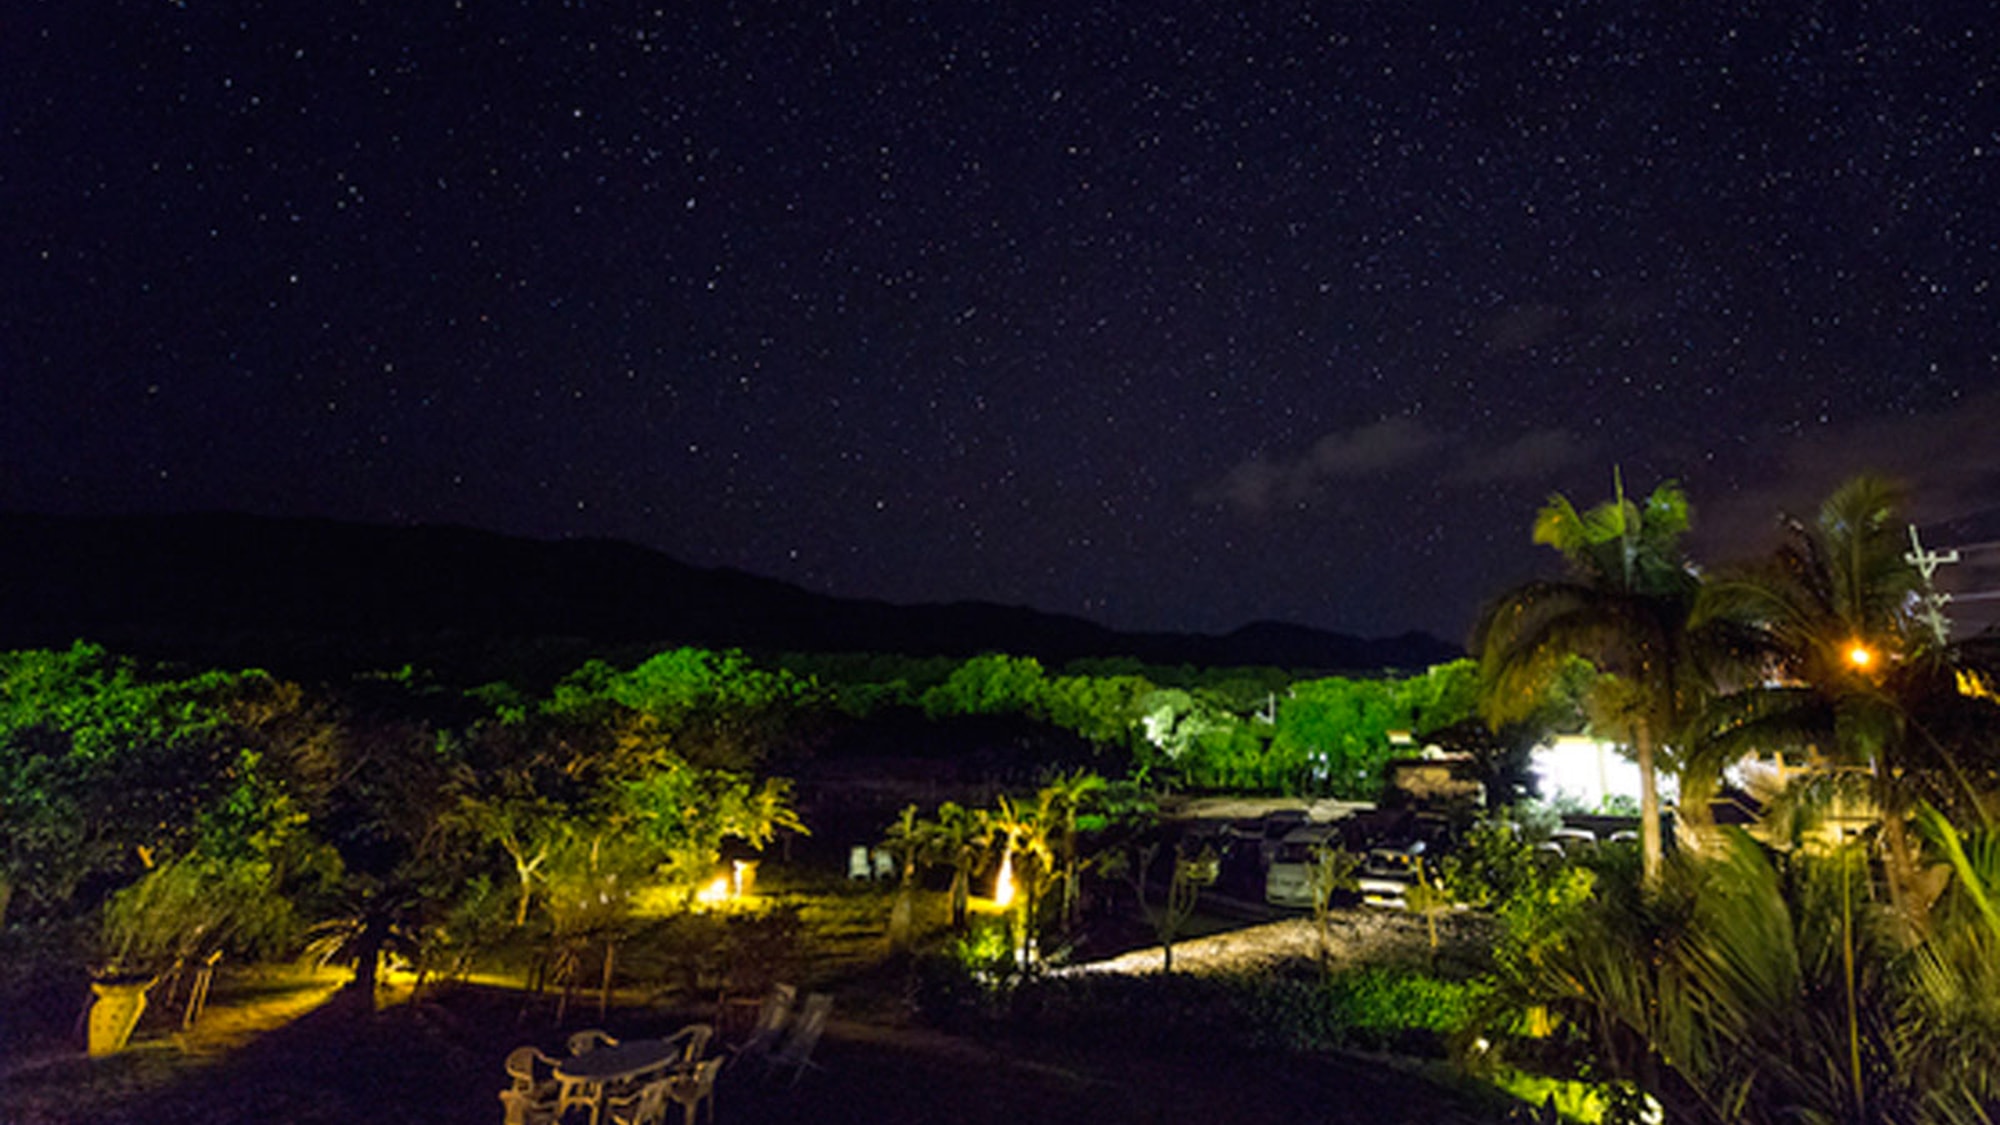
439	1062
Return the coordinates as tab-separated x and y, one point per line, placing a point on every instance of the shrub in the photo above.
1293	1008
967	980
1390	1008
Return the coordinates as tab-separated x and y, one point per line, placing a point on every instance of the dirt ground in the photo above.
439	1061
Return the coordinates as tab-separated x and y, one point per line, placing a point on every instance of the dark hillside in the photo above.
319	595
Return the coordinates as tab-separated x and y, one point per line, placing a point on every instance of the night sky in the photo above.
1172	315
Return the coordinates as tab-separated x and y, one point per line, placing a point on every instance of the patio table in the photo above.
606	1067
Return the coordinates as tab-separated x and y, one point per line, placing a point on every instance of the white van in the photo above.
1288	881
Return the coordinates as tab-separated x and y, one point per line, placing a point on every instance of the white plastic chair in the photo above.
796	1052
521	1108
646	1107
590	1039
679	1051
531	1071
694	1037
770	1025
693	1088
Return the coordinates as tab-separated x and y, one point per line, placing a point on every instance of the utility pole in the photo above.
1927	563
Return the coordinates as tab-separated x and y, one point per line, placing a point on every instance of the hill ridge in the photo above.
196	580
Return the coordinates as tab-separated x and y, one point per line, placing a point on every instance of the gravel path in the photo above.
1356	935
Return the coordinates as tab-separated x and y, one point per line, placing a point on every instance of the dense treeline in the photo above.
194	812
236	811
1244	729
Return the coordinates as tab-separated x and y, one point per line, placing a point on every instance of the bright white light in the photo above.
1588	770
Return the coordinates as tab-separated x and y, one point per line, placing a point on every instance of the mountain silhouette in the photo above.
320	595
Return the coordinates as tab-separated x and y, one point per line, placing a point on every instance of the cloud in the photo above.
1385	445
1948	459
1259	486
1535	455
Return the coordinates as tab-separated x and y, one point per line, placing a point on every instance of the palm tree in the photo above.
1848	676
905	840
1025	832
1065	796
960	838
1624	606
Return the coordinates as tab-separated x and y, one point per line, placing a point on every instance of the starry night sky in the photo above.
1174	315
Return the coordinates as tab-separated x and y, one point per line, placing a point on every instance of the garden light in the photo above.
1003	884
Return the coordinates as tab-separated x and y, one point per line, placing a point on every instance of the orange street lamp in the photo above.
1860	656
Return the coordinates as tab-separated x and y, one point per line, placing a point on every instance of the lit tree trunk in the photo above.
1182	894
525	869
368	954
961	897
604	992
902	911
1651	853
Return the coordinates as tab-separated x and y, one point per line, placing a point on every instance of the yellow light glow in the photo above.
715	892
1860	655
742	873
1003	886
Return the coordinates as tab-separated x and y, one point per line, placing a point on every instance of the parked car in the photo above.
1387	872
1573	841
1288	881
1264	835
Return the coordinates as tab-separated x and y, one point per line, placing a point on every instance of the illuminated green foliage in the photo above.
102	763
714	708
993	684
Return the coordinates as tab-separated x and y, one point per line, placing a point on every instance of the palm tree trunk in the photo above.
1651	852
961	895
368	954
902	912
1899	865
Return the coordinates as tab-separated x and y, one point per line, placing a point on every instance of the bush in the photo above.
968	980
1291	1009
1390	1008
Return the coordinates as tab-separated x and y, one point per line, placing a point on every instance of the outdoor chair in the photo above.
694	1039
691	1089
795	1054
646	1107
590	1039
531	1071
770	1025
577	1093
521	1108
691	1042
